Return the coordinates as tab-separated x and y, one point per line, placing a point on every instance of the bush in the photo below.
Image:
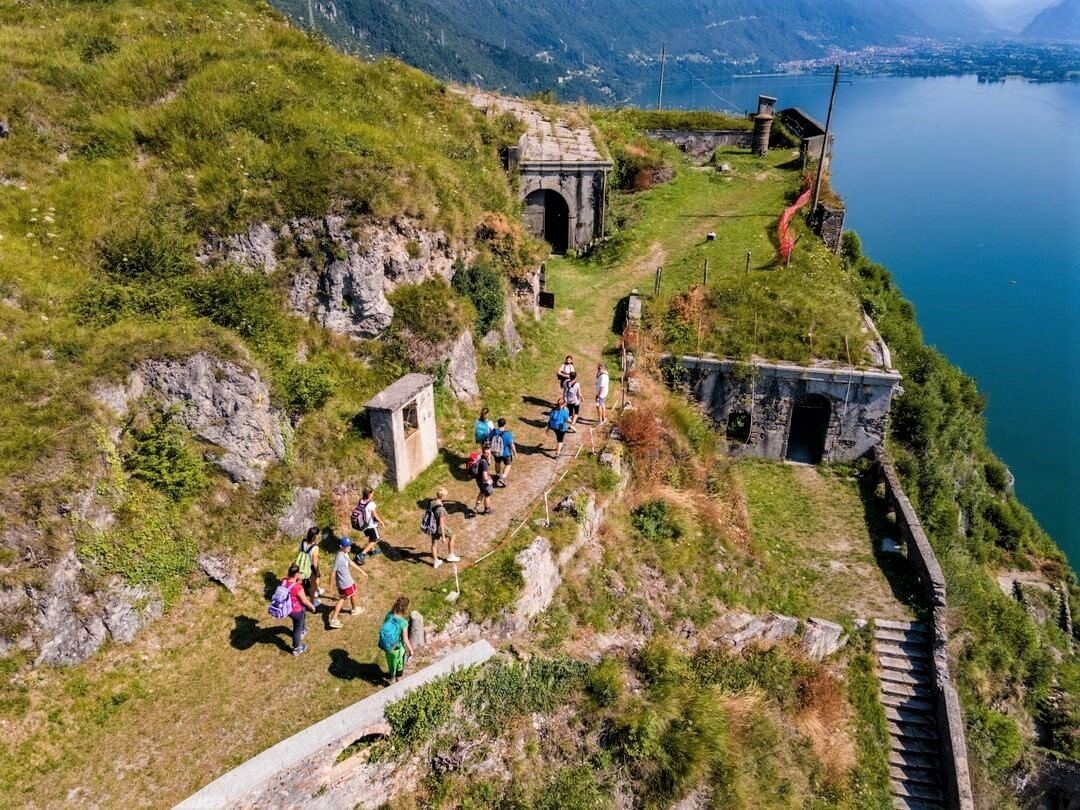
162	456
606	682
481	284
243	302
147	253
655	522
307	386
428	311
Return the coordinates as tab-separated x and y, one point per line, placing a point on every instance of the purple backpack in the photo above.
281	602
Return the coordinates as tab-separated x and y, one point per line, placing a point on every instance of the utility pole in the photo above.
310	16
825	142
660	95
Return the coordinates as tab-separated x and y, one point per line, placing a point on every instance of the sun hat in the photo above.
345	542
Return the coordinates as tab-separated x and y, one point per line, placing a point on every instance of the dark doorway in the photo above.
555	225
809	428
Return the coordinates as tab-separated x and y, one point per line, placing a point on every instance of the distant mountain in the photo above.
1014	16
1060	23
609	48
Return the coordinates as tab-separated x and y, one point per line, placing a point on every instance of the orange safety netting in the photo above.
787	241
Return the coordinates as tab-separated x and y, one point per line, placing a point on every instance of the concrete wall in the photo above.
702	142
406	455
860	402
921	556
582	186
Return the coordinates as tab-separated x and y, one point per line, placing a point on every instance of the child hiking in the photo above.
504	451
365	519
572	395
346	585
484	428
307	560
435	524
290	600
558	421
485	484
603	382
394	638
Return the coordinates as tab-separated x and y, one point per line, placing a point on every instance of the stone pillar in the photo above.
416	630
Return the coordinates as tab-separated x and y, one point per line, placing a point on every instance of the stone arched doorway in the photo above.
548	209
808	429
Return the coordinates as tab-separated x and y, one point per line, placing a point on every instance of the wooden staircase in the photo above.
904	668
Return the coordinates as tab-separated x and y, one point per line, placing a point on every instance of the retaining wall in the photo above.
954	756
702	142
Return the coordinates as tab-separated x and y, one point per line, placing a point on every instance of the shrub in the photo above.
307	386
480	283
162	456
427	311
147	253
997	474
243	302
606	682
655	521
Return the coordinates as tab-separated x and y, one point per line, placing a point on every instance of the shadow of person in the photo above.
246	633
409	555
345	667
532	450
270	583
456	464
536	423
529	399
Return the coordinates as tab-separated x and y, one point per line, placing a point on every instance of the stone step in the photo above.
910	759
910	718
915	652
905	677
892	624
909	703
902	803
924	743
929	777
902	664
915	790
906	690
900	636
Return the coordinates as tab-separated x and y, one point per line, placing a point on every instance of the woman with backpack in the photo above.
558	421
484	428
290	600
307	560
572	395
436	524
565	370
394	638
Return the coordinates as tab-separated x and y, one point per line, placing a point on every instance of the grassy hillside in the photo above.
138	129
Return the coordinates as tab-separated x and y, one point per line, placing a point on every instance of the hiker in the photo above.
290	600
484	428
365	519
485	484
436	524
307	560
572	396
346	585
504	451
565	370
603	382
558	420
394	638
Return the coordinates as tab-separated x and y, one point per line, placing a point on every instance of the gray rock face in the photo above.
507	333
822	638
221	403
67	623
461	368
299	515
746	629
344	272
540	571
220	569
127	609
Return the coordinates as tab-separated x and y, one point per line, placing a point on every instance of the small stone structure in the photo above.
785	411
701	143
828	223
563	175
403	427
810	133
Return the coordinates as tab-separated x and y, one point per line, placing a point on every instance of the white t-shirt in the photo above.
602	381
369	510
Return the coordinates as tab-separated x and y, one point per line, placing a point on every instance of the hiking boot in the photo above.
437	563
374	552
453	558
335	625
359	558
300	650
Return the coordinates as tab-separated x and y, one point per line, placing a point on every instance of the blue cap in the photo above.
345	542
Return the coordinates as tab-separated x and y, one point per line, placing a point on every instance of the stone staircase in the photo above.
904	668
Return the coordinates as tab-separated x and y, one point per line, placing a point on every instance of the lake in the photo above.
970	194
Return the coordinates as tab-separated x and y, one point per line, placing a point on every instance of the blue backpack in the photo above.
281	602
482	431
557	419
389	633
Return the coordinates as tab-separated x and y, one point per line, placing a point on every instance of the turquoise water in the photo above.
970	194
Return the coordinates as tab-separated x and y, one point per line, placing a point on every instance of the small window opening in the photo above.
411	418
738	426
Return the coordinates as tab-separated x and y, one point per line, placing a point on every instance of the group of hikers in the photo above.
489	466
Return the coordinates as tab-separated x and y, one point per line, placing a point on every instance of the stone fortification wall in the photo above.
766	393
703	142
583	186
922	558
828	223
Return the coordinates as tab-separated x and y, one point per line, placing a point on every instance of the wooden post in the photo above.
656	284
705	274
663	59
748	262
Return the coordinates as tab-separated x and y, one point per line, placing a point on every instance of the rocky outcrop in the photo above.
299	515
506	334
461	368
340	271
221	402
820	638
220	569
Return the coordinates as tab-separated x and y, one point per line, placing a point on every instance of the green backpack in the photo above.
303	562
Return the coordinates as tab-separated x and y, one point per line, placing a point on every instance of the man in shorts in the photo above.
603	382
506	457
346	585
369	525
485	484
442	530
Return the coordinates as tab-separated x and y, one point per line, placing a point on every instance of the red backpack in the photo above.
473	464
